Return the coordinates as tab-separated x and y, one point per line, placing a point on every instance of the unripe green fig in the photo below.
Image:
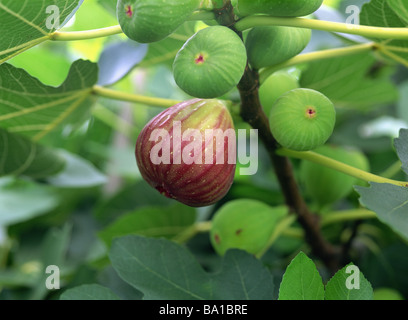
244	224
210	63
277	8
270	45
325	185
187	152
148	21
302	119
274	86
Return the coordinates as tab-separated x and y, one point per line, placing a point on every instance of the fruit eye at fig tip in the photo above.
200	59
129	11
310	112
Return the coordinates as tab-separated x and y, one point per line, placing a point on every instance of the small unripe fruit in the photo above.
153	20
302	119
270	45
210	63
274	86
244	224
187	152
325	185
277	8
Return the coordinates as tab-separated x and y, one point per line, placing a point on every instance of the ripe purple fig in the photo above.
188	152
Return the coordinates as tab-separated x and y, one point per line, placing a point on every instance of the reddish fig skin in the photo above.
193	184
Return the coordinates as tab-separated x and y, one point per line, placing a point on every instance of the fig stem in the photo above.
84	35
317	56
192	230
283	225
365	31
347	215
124	96
339	166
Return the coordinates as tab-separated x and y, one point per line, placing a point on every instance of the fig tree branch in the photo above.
130	97
339	166
253	114
361	30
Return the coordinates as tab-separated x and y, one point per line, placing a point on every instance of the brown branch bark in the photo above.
252	113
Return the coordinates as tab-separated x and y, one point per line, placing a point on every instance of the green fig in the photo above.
277	8
244	224
274	86
210	63
302	119
270	45
148	21
326	186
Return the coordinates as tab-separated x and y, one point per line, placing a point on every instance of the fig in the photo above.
270	45
274	86
277	8
210	63
302	119
244	224
326	186
188	152
148	21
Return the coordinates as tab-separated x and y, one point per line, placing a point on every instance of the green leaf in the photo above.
151	222
165	50
38	199
349	283
389	202
33	109
380	13
77	173
161	269
401	145
89	292
129	198
352	75
54	247
243	277
164	270
301	280
27	23
21	156
400	7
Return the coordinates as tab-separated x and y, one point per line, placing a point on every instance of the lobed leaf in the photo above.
347	81
30	108
21	156
389	202
29	22
381	13
165	270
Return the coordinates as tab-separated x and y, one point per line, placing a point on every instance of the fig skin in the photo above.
277	8
193	184
244	224
274	86
147	21
210	63
302	119
270	45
